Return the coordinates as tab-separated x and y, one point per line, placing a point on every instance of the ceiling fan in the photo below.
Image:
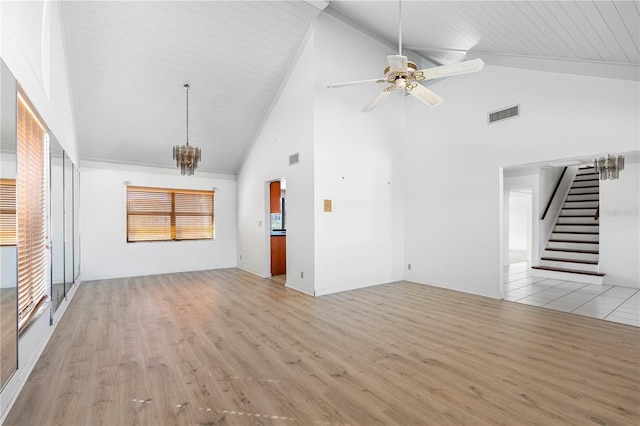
404	75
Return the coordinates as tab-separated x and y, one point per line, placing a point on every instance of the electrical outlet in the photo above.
301	274
409	266
240	257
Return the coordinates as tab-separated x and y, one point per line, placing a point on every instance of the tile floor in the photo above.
610	303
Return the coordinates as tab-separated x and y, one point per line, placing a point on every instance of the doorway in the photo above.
520	225
278	229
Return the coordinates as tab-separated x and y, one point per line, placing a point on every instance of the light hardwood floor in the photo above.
226	347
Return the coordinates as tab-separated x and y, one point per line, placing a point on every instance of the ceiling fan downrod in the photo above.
399	27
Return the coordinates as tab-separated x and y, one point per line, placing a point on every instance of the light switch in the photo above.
327	205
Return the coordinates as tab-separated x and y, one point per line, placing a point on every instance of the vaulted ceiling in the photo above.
129	60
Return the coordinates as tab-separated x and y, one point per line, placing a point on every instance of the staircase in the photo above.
573	248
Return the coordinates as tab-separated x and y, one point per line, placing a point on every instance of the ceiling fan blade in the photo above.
465	67
397	63
355	83
386	92
423	94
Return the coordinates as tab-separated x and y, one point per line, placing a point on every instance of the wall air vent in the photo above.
503	114
294	158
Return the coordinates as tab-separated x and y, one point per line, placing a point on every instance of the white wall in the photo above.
359	243
526	179
288	130
519	220
104	249
620	227
453	159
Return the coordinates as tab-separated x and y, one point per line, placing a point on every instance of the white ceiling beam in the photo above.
318	4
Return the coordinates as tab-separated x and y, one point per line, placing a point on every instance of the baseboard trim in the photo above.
492	295
301	289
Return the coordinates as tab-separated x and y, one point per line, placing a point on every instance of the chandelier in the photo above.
610	167
186	156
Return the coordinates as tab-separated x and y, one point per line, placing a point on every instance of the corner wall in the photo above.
288	130
357	164
620	226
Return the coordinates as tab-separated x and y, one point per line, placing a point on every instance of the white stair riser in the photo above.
590	279
583	183
574	246
578	212
575	228
570	255
584	220
581	204
574	191
582	197
569	265
577	237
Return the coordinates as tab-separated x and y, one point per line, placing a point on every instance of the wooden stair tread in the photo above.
576	232
575	215
586	186
570	271
574	250
562	259
559	240
577	224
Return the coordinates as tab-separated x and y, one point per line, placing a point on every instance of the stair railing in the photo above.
597	215
553	194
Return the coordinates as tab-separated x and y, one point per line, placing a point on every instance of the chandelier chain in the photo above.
186	85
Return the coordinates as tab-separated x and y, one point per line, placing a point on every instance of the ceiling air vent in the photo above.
294	158
503	114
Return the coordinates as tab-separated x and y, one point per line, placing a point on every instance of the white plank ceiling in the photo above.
602	31
129	60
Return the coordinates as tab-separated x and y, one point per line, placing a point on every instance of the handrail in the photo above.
554	193
597	215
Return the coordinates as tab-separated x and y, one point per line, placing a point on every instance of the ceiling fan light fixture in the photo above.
403	75
187	156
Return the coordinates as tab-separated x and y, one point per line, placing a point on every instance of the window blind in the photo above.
162	214
7	212
31	212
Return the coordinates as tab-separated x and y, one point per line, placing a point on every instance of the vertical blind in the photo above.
7	212
31	210
162	214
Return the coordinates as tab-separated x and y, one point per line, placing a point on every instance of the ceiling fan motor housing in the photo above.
392	76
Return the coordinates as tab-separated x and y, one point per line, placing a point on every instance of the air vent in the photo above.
294	158
503	114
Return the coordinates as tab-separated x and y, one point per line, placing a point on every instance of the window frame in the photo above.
170	210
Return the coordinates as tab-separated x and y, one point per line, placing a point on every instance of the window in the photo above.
160	214
7	212
32	237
